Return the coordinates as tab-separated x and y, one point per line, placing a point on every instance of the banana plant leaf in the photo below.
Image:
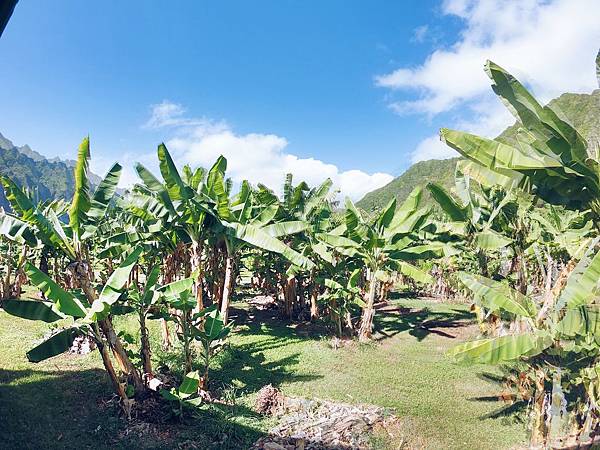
81	203
336	241
489	177
386	216
113	288
176	188
430	250
317	198
558	136
16	230
497	296
455	211
189	385
413	272
103	194
332	284
150	295
217	189
353	221
214	328
582	286
491	240
259	238
65	302
154	185
173	290
31	310
321	250
501	349
281	229
55	345
582	321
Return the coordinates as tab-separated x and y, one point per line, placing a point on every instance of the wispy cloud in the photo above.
168	114
420	33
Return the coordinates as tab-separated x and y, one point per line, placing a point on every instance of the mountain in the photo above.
49	179
419	174
581	110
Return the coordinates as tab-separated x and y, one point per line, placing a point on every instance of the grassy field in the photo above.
66	402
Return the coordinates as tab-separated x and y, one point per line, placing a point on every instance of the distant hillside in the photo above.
581	110
49	179
438	170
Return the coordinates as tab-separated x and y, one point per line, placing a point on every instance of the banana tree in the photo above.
75	240
206	326
246	220
557	341
212	336
143	299
199	205
473	216
15	238
340	298
314	208
386	245
178	204
177	296
563	234
549	158
83	315
185	395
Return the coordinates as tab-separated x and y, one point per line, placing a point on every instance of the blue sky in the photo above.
323	88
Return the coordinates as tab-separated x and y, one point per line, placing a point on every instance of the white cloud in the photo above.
549	45
255	157
420	33
432	148
169	114
100	164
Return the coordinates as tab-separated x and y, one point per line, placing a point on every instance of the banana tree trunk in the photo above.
6	285
187	351
549	270
227	287
289	295
538	430
121	355
164	326
366	325
117	385
145	345
197	266
113	340
335	318
482	260
314	308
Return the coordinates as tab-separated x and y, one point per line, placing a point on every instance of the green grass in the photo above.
63	402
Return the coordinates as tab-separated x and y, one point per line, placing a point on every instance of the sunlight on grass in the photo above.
407	372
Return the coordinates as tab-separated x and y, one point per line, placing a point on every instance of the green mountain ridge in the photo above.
47	178
581	110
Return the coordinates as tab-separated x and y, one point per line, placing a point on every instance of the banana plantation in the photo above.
177	256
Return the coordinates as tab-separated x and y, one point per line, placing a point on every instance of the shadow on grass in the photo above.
390	320
75	409
246	365
419	323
